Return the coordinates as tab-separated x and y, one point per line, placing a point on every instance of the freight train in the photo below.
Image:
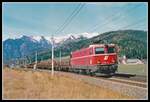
95	59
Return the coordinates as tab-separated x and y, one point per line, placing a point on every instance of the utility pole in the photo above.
36	57
22	61
35	60
52	40
60	57
29	60
19	62
25	62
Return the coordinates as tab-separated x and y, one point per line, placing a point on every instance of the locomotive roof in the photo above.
94	45
101	45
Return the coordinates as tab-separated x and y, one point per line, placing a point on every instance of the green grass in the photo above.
140	69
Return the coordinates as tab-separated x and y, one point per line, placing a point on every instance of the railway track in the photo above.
122	78
131	77
128	87
129	82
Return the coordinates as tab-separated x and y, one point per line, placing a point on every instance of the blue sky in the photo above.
45	18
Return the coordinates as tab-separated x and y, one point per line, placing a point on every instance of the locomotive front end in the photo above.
106	59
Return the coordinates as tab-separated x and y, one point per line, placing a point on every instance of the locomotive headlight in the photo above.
106	57
113	60
98	62
90	61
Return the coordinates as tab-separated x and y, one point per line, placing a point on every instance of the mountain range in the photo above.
26	45
133	44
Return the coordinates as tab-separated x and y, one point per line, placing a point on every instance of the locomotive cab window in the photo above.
99	50
111	50
91	52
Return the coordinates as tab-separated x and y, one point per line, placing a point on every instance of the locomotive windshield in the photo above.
111	50
99	50
102	50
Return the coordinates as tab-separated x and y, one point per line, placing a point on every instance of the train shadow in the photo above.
103	75
125	75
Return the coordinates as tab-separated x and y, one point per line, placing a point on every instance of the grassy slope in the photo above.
19	84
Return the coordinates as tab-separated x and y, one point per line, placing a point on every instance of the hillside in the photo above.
133	43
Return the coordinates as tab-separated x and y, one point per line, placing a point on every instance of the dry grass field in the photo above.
25	84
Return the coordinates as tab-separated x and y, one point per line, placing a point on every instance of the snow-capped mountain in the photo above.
61	38
58	39
74	36
25	45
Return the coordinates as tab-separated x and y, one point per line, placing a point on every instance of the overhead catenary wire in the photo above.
140	26
133	24
107	18
67	21
126	26
129	25
116	18
63	26
70	18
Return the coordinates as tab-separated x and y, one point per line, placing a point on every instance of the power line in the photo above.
135	23
72	17
107	18
68	17
124	16
140	26
128	11
77	10
116	19
67	21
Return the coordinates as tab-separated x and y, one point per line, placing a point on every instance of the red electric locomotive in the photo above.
98	58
